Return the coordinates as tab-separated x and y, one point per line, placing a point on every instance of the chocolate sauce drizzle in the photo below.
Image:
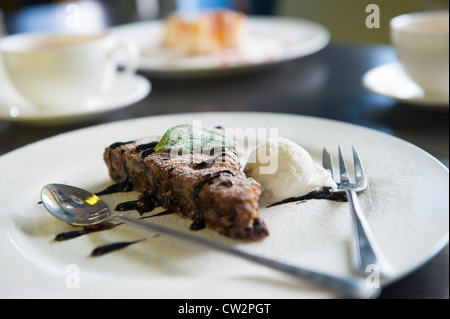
324	193
209	178
85	231
146	149
112	147
124	187
204	164
169	211
144	205
106	249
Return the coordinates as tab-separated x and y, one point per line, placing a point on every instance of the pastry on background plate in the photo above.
207	33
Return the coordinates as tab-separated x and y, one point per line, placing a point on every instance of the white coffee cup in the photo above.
421	41
66	71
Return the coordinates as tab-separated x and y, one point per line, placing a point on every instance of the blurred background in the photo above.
343	18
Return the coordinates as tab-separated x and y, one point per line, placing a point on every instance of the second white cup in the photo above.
421	41
66	71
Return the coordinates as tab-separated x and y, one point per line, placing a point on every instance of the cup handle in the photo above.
121	80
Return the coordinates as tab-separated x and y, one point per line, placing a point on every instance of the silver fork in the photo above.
366	251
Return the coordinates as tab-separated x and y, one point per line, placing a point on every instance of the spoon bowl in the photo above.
79	207
74	206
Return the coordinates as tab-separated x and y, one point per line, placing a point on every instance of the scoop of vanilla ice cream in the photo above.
285	169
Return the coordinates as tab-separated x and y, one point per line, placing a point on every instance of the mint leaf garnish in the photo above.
189	139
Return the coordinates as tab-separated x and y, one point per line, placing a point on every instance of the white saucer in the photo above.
14	108
390	80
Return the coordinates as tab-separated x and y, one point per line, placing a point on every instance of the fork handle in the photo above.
367	253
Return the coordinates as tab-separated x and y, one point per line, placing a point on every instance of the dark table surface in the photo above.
327	85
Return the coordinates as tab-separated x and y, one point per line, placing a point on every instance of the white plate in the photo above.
407	207
270	41
390	80
14	108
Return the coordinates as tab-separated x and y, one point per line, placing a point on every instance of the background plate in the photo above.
270	41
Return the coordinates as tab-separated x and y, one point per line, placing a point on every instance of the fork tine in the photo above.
327	162
343	168
359	169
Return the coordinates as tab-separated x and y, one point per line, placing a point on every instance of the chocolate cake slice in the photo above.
211	190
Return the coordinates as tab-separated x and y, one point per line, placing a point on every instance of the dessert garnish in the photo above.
187	138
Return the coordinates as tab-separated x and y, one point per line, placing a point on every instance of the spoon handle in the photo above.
350	287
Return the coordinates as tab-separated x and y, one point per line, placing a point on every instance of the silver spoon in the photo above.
79	207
